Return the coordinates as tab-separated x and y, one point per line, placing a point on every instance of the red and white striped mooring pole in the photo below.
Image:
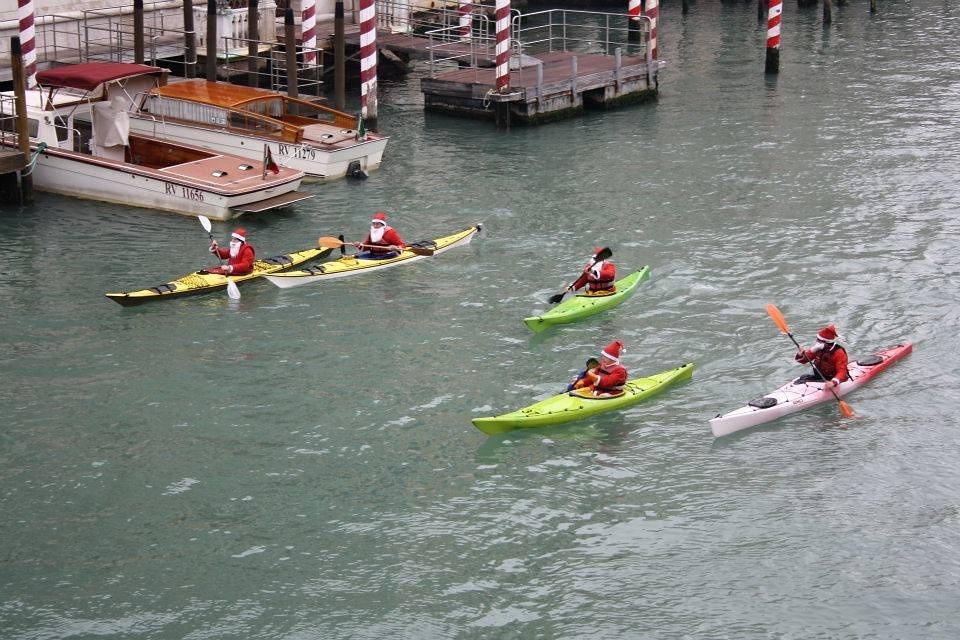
503	45
368	62
466	20
308	31
773	36
28	41
653	12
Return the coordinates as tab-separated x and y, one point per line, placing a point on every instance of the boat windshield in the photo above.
272	106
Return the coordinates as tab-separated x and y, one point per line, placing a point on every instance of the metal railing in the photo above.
269	67
536	33
8	121
108	34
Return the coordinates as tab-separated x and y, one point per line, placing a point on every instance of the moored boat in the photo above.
349	265
314	138
79	114
796	396
585	305
202	282
575	405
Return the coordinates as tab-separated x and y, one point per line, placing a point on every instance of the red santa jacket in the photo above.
597	277
831	363
243	263
390	236
605	379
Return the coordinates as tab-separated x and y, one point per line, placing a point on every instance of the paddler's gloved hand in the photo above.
214	246
227	269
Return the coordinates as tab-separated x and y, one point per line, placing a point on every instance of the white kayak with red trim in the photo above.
797	396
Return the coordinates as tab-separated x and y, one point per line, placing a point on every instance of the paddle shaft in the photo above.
799	348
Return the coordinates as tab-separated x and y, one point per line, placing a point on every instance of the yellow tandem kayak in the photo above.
349	265
200	282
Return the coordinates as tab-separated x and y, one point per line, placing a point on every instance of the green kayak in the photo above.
581	306
567	407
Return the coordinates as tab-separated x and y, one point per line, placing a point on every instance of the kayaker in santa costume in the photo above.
382	242
598	276
609	376
240	255
828	358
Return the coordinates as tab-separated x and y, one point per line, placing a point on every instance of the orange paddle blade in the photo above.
329	242
778	318
845	409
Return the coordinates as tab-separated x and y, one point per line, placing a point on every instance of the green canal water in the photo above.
301	464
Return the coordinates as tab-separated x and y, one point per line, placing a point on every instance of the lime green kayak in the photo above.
567	407
582	306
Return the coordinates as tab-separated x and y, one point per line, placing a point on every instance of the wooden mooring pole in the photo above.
290	46
211	44
253	44
827	11
873	6
339	59
20	103
138	31
761	10
190	41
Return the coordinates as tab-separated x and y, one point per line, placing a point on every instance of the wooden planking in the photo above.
593	71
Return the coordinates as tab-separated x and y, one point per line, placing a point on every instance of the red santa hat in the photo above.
240	234
828	334
612	351
380	217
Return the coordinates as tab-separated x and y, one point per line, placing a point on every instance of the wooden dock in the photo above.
547	87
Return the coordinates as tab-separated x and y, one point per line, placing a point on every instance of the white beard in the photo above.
234	249
376	233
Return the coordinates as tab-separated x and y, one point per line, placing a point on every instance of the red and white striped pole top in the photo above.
653	12
466	20
308	30
28	41
368	58
773	24
503	45
633	9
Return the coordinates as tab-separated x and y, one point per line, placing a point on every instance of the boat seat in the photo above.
763	403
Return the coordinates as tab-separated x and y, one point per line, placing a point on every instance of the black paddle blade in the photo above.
342	243
603	254
421	251
557	297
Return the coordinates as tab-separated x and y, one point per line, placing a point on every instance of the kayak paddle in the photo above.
781	323
329	242
205	223
603	254
232	290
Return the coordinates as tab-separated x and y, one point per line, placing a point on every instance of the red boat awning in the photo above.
90	75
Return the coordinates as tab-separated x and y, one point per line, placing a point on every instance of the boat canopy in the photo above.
220	94
90	75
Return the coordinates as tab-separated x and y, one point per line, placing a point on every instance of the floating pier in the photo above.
560	63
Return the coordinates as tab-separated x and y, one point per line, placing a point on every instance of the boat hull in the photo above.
350	266
314	160
566	407
84	176
583	306
793	397
198	283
